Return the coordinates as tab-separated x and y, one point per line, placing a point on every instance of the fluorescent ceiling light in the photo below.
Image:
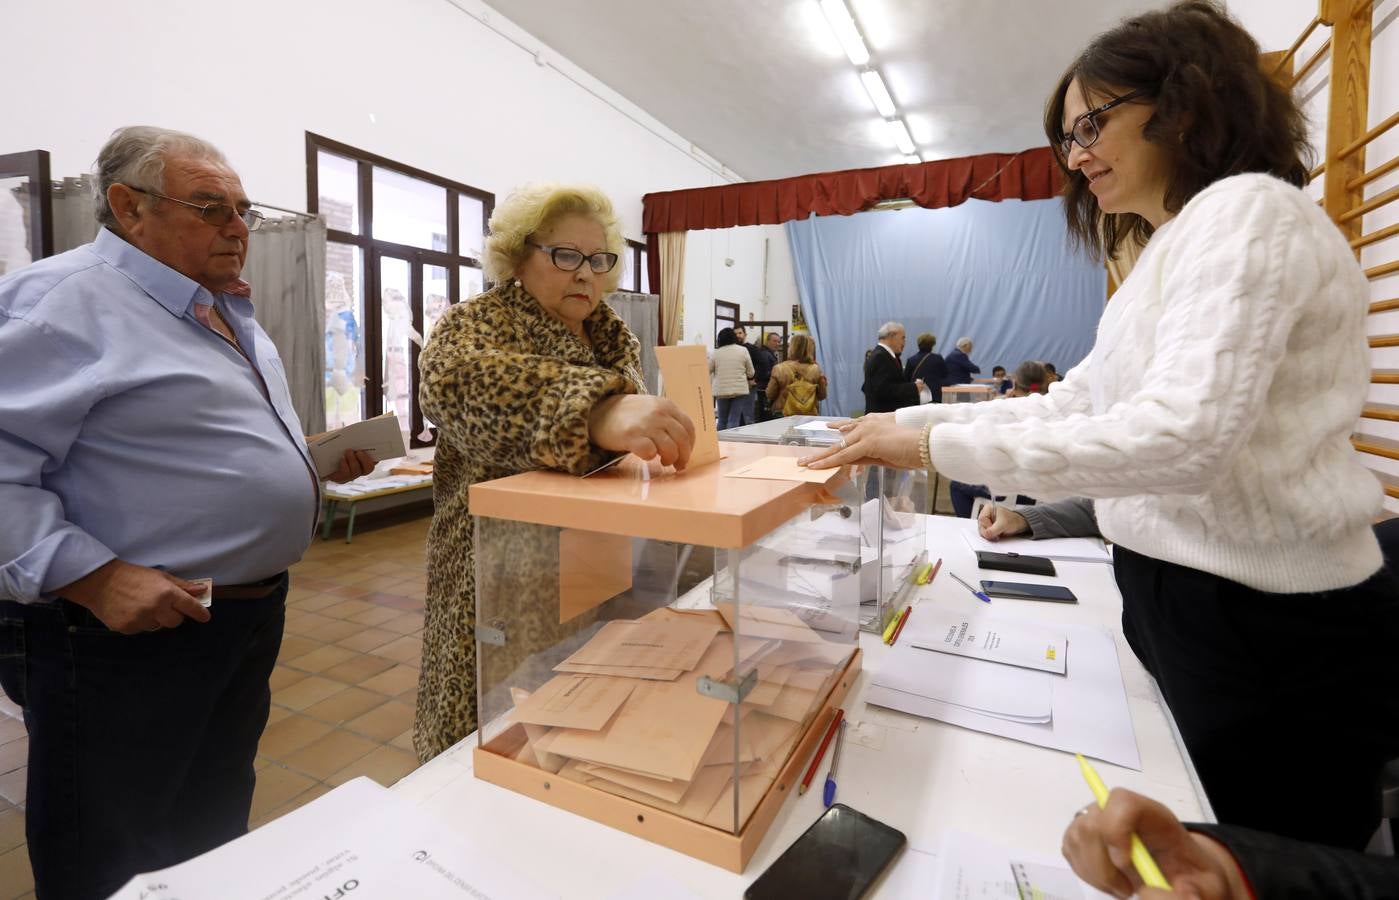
843	24
898	133
879	94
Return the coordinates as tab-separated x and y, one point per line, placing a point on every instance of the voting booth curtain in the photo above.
1002	274
286	268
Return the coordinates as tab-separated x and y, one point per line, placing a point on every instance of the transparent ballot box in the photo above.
661	651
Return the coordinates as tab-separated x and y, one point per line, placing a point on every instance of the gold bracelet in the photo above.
925	452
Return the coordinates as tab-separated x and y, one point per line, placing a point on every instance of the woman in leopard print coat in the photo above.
536	373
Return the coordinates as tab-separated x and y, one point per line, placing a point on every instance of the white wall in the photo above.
421	82
708	278
1276	24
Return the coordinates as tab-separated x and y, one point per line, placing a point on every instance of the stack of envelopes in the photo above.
624	715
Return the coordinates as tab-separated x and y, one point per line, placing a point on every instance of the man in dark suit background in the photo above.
886	388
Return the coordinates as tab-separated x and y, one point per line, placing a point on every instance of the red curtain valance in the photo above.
1029	175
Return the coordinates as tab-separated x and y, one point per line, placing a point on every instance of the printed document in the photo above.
380	437
1015	643
361	840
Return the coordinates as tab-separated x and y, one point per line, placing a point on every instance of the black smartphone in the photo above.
1015	562
837	858
1015	590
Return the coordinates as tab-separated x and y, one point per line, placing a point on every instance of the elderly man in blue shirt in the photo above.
147	438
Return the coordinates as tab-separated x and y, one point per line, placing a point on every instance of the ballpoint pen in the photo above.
980	595
830	796
1141	859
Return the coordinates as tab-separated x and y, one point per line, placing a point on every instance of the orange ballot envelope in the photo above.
685	377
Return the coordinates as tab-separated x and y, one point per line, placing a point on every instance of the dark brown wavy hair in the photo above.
1217	112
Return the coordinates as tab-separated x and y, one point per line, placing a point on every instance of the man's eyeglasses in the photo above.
1085	131
570	260
216	214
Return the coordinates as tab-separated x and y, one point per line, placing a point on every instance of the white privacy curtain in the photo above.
640	312
286	268
74	214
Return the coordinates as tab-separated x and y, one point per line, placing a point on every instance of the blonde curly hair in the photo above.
534	208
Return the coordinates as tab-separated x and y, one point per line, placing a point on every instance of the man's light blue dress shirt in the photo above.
129	430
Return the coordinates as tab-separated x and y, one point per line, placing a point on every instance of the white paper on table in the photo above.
1065	549
361	832
1090	713
379	436
972	683
815	426
928	708
1011	642
970	867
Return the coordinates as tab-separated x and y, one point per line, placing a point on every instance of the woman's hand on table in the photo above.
996	522
874	438
649	427
1098	844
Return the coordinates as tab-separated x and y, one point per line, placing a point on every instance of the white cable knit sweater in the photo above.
1212	418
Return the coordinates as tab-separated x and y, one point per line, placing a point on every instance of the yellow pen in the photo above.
1146	866
889	631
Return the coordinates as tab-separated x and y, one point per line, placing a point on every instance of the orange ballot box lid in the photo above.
705	505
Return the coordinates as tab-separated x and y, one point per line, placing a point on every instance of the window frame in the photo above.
372	249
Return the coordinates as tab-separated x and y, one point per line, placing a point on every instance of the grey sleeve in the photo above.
1066	518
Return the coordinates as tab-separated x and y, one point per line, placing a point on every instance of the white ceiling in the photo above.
764	87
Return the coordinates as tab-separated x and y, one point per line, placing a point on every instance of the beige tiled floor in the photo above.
342	692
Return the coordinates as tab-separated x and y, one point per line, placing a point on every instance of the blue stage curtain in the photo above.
1002	274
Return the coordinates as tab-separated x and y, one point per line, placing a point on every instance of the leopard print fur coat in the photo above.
510	390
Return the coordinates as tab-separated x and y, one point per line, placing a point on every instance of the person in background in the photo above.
886	388
1254	588
731	372
1029	379
797	386
999	381
1052	372
960	368
927	366
764	358
749	411
535	373
1213	862
147	439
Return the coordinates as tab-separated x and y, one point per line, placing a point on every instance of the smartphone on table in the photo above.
1015	590
1015	562
838	858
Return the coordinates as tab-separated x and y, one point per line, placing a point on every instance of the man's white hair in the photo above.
136	156
889	329
964	344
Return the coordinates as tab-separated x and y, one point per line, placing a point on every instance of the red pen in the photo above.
821	751
933	574
900	630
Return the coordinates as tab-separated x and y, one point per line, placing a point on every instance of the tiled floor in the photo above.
342	693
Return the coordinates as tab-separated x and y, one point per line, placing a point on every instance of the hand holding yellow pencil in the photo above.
1141	859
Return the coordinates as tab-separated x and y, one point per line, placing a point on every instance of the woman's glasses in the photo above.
1085	132
216	214
570	260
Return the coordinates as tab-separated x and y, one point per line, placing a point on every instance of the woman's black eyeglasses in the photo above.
570	260
216	214
1085	131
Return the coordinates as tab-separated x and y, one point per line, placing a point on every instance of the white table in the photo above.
918	775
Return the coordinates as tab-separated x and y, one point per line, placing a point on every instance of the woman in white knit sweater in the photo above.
1211	423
